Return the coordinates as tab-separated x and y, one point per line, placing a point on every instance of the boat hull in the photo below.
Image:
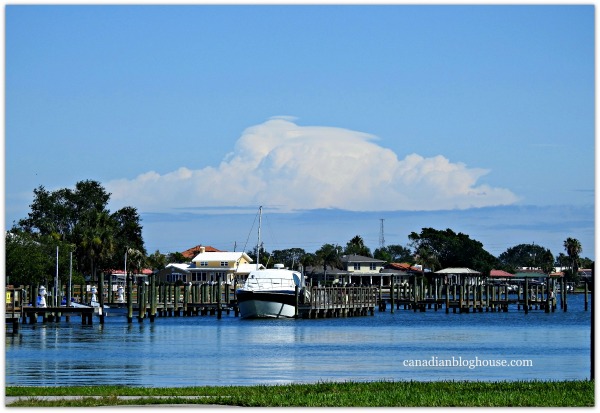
266	304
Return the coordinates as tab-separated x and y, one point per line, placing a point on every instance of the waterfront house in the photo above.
360	264
210	266
317	275
223	265
356	269
173	273
401	271
190	253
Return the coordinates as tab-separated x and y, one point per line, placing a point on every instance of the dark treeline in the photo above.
89	238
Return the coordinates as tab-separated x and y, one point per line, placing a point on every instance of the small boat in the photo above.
271	292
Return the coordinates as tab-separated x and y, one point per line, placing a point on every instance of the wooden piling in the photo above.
141	301
447	298
110	290
563	289
152	297
129	297
526	297
101	297
392	294
186	294
219	309
548	298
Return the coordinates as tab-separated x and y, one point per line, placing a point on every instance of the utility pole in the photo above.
381	237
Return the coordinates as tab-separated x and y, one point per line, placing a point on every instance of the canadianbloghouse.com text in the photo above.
471	363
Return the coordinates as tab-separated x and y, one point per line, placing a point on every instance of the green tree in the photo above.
357	246
394	253
383	254
51	213
427	259
31	258
157	261
308	260
289	257
562	260
176	257
585	262
329	255
453	250
27	260
95	242
265	256
573	248
526	255
80	217
127	234
136	261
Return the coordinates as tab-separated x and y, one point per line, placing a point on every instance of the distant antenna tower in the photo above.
381	237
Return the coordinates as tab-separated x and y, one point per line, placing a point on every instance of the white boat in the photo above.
270	293
95	305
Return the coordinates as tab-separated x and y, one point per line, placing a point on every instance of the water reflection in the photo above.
188	351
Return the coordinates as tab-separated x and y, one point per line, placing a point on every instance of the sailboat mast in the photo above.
258	245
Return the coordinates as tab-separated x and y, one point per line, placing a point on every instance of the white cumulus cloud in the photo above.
280	163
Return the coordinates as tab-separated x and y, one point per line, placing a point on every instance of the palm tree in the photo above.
329	254
357	246
573	248
561	259
136	260
427	259
95	241
547	262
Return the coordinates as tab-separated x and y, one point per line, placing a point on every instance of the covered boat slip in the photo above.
465	290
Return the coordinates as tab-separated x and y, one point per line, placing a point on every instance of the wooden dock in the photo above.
476	297
151	300
13	305
148	301
326	302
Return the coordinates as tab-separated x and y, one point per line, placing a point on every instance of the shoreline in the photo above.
536	393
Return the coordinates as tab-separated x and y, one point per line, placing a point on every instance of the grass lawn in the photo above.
327	394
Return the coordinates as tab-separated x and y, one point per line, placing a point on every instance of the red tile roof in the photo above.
192	252
500	273
145	271
402	266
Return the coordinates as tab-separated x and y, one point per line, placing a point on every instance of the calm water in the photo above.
190	351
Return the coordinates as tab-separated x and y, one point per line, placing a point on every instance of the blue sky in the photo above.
474	118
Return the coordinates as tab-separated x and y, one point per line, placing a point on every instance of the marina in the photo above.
190	351
151	300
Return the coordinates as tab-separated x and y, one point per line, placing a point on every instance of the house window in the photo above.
224	264
372	266
204	263
357	266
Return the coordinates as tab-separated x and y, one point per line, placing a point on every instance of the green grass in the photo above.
329	394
